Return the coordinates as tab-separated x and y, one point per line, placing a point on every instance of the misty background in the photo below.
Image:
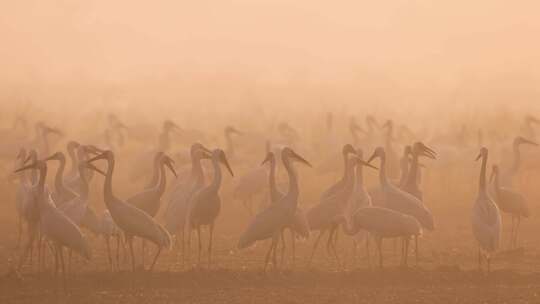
272	52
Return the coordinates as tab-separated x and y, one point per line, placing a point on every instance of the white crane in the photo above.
359	198
333	203
401	201
133	221
299	226
411	183
507	176
485	217
384	223
206	203
509	201
61	194
149	199
54	225
179	204
270	222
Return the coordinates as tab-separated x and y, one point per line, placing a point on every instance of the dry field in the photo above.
446	272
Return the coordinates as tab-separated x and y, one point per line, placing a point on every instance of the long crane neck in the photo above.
482	183
74	162
230	145
84	187
517	159
292	193
404	171
274	192
196	170
162	179
382	171
42	200
59	178
359	175
413	172
110	199
216	181
155	174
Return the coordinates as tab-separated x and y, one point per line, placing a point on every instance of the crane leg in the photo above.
267	258
61	256
56	261
155	259
129	239
367	249
142	252
282	241
28	248
118	244
329	241
406	252
511	233
378	241
275	240
416	248
334	245
315	245
200	245
19	231
517	230
293	239
109	252
211	229
479	259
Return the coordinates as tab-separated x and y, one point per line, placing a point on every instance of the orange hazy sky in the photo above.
415	41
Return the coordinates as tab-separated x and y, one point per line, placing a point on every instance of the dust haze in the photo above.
420	85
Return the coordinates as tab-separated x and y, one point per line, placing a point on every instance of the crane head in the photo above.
270	157
522	140
483	153
169	125
421	149
288	153
91	166
56	156
220	156
169	162
72	145
348	149
198	151
107	154
232	130
379	152
38	165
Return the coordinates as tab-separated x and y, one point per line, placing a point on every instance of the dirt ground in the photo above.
446	272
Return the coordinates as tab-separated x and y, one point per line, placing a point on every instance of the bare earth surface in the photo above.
446	273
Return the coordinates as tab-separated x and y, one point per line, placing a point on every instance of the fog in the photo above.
421	50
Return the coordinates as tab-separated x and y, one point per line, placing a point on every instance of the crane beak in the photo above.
267	158
226	163
21	154
169	162
367	164
530	142
92	167
301	159
97	157
30	166
372	157
479	156
54	131
429	153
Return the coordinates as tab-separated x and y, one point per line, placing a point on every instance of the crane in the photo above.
206	203
270	222
133	221
485	217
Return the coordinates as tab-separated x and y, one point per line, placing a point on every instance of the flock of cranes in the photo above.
167	214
